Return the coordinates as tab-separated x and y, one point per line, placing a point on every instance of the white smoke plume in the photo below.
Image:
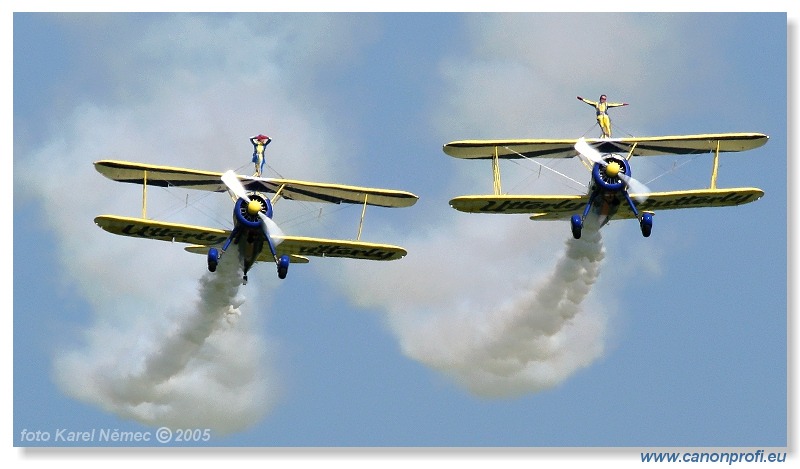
161	347
532	342
499	319
201	368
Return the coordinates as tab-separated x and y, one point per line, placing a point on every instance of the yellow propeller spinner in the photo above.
253	207
612	169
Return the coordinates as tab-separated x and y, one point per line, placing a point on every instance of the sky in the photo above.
494	331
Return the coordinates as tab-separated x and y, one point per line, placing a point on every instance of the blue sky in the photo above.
679	340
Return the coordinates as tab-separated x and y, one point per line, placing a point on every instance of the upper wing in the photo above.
161	176
164	231
331	193
558	207
510	149
641	146
168	176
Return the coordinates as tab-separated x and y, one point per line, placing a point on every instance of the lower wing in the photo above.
163	231
201	237
297	248
559	207
320	247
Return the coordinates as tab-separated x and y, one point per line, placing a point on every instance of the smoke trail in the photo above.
204	370
534	340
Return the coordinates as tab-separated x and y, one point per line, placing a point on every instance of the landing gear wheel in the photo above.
213	259
244	279
646	224
283	266
577	226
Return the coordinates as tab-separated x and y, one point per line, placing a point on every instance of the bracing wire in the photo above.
546	167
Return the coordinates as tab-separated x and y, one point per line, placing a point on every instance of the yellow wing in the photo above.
516	204
558	207
201	237
163	231
320	247
299	247
641	146
168	176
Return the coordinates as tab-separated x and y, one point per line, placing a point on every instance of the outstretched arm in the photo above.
587	101
616	104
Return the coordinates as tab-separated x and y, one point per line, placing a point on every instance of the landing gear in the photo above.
244	279
577	220
646	223
645	219
577	226
213	259
283	266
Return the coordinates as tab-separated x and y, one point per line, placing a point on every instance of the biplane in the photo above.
257	236
612	191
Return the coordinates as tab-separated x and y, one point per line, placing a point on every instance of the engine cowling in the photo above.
246	213
607	176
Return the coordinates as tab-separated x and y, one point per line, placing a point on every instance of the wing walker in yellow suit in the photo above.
601	106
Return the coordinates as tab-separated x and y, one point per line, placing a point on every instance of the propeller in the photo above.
635	186
271	230
613	169
585	150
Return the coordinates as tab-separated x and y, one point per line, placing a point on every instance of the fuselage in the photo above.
606	189
248	234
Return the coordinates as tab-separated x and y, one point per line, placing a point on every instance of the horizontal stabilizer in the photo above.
265	255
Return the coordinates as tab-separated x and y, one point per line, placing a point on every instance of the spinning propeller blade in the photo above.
271	230
634	185
594	156
589	153
235	185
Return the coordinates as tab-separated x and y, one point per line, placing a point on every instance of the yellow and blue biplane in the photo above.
612	191
256	235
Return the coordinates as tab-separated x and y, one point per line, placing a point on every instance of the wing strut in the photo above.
144	194
277	194
496	171
630	153
715	168
363	213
